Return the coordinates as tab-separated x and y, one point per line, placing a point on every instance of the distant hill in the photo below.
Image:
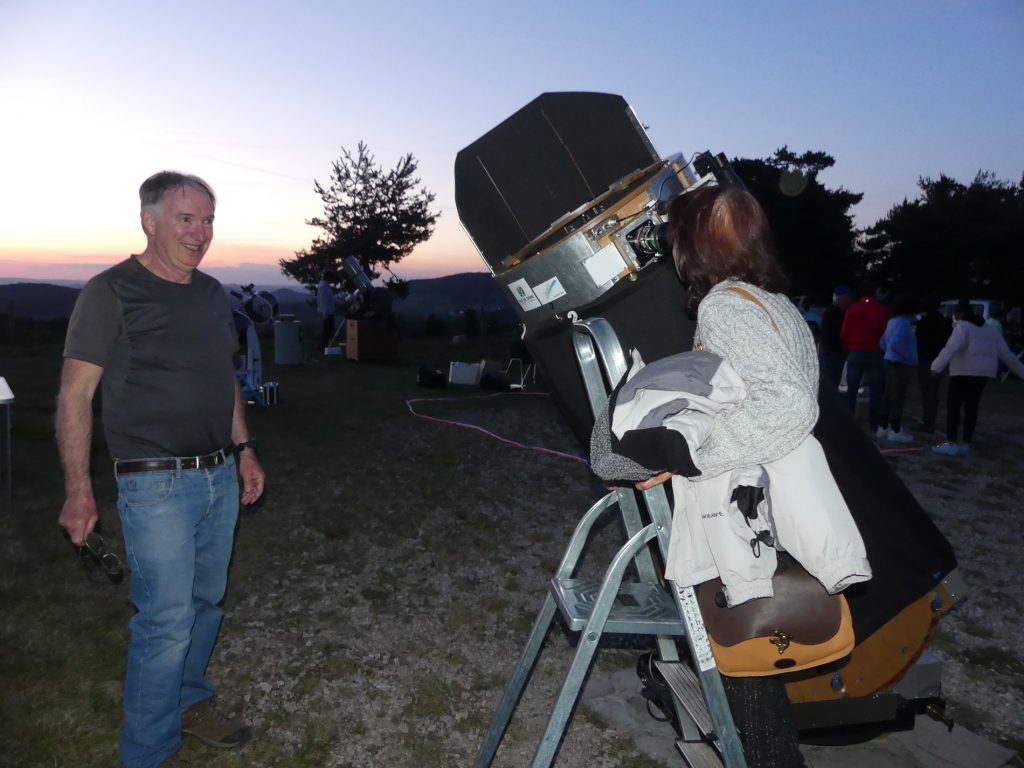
434	296
438	296
453	293
37	301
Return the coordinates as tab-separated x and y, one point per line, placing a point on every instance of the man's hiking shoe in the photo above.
212	727
947	449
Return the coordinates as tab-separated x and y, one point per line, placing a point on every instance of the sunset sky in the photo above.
260	97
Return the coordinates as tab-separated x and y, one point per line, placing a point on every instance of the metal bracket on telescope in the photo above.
649	606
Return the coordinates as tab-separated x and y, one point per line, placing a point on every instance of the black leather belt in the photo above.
208	461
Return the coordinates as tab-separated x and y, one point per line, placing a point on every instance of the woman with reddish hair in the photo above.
723	248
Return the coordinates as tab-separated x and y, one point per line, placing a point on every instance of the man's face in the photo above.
180	230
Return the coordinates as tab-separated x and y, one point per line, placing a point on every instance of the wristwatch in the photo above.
250	443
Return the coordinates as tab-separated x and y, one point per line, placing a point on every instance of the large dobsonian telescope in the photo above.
566	202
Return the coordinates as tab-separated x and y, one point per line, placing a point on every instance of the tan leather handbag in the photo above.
800	627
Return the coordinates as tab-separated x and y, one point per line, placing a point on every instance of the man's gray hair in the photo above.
153	189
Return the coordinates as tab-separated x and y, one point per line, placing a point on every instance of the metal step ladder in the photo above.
650	606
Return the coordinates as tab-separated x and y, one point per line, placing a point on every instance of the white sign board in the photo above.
549	290
524	295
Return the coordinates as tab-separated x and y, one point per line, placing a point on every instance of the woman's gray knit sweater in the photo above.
779	367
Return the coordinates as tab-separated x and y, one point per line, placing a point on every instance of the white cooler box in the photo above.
465	373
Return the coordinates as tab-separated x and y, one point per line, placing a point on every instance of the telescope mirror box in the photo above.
465	373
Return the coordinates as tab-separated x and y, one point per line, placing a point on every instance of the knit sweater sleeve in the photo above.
781	406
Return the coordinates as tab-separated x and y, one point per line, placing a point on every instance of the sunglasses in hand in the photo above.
94	550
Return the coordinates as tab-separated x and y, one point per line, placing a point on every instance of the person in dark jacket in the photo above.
932	330
831	351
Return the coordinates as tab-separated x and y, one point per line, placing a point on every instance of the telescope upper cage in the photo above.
568	196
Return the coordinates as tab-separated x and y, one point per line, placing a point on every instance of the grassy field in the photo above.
359	493
379	594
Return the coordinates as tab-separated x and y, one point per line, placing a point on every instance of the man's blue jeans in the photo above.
867	365
178	528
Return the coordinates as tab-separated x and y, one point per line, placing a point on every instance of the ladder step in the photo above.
640	608
699	754
685	686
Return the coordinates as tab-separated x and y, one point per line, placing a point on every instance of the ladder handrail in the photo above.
582	531
595	342
602	365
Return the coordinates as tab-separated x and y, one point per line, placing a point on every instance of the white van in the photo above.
983	308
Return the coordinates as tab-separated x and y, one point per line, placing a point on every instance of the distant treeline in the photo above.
20	331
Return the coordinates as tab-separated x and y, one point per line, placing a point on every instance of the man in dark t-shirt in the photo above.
158	335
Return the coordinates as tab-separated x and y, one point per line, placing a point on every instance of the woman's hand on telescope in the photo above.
651	482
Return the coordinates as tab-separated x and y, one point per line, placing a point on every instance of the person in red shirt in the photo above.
863	326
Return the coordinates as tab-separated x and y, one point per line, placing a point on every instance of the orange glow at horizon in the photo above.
448	251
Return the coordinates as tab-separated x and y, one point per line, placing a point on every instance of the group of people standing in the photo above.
881	340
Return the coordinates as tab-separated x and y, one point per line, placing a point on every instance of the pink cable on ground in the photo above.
524	446
475	428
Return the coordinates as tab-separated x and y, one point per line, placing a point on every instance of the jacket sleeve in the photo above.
780	408
957	341
1009	359
906	344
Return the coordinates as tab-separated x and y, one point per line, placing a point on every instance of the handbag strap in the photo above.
699	346
751	297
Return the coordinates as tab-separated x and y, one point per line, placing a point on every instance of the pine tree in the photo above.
375	215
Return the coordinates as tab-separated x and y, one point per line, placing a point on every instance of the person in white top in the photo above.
325	305
972	353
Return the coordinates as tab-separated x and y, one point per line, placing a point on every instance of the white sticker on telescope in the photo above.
524	295
549	290
605	264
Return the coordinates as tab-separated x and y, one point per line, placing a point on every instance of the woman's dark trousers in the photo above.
964	392
931	384
760	709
